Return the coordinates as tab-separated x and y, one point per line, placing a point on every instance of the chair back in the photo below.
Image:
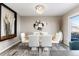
24	38
46	41
33	41
58	36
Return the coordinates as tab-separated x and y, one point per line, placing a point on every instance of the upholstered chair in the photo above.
33	41
46	42
24	38
58	38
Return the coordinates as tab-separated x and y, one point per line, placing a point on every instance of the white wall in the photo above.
18	26
67	24
28	21
9	43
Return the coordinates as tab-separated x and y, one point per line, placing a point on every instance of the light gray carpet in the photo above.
22	50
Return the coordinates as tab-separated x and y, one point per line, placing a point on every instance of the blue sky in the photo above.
75	20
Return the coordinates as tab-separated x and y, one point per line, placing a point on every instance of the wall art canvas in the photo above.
8	22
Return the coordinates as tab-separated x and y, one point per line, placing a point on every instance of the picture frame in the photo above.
8	23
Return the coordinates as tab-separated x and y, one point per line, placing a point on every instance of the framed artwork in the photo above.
8	22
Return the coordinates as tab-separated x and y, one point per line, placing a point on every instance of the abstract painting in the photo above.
8	18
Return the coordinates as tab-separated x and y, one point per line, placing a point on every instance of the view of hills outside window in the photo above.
75	28
75	23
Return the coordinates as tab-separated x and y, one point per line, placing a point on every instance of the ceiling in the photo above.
51	9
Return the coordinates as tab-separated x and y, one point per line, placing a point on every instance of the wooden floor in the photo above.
22	50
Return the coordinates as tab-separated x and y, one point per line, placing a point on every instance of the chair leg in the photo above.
40	51
34	51
46	51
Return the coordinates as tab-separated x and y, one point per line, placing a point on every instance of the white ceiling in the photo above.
51	9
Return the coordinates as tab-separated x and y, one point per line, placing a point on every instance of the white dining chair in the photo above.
46	42
24	39
33	41
58	38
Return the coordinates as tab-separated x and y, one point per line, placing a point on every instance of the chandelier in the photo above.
39	25
39	9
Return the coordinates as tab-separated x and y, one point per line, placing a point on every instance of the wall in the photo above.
9	43
18	26
51	27
67	24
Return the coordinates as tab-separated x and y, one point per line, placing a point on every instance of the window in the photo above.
75	28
